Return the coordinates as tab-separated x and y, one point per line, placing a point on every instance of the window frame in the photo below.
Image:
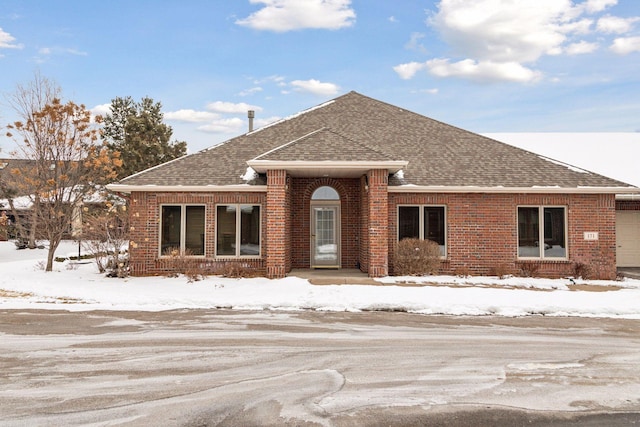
238	231
541	233
183	228
421	230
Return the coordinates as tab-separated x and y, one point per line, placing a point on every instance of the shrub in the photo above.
502	271
529	269
462	271
415	257
581	270
182	263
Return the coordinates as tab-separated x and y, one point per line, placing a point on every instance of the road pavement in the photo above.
230	368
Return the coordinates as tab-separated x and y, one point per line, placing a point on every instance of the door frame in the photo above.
312	232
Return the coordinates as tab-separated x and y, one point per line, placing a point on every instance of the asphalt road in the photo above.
229	368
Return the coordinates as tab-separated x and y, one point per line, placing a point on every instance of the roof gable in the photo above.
322	145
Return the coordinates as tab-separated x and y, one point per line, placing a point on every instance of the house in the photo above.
339	184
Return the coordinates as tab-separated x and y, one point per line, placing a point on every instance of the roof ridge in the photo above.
280	147
359	143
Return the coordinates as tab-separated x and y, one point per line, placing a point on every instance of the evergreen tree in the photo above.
137	131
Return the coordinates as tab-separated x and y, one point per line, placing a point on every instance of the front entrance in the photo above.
325	228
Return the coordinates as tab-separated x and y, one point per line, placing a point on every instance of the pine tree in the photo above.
137	131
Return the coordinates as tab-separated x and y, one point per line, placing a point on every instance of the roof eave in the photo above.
327	167
128	189
517	190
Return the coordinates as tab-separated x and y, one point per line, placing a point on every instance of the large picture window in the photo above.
182	229
238	230
423	222
542	232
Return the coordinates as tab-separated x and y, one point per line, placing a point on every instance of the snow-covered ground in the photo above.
79	287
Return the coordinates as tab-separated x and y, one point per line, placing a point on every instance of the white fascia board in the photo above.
629	197
123	188
518	190
261	166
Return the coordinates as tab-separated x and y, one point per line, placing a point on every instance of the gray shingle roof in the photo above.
356	127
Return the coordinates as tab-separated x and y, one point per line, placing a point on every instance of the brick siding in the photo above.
482	231
481	228
144	244
628	205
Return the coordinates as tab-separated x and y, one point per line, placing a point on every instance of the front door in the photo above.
325	236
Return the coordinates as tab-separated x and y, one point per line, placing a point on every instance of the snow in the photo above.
79	287
249	174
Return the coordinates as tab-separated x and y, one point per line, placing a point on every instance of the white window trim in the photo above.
183	229
421	223
541	209
238	230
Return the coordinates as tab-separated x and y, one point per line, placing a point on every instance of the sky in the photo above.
482	65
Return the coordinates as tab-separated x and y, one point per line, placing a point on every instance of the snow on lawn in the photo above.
79	287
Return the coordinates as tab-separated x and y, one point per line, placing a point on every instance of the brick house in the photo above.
338	185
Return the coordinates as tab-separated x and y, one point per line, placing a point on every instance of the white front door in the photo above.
325	236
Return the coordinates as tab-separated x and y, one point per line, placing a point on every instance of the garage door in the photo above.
628	238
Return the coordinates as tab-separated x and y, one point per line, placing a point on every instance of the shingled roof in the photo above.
356	128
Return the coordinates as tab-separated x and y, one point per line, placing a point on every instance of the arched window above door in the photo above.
325	193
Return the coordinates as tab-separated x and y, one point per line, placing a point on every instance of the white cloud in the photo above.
6	41
250	91
615	25
393	19
626	45
483	71
581	47
191	116
279	80
231	108
433	91
408	70
593	6
315	87
101	110
498	40
414	42
504	31
288	15
230	125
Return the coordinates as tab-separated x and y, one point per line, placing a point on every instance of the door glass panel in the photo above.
326	245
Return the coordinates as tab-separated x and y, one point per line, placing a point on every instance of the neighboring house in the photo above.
23	203
338	185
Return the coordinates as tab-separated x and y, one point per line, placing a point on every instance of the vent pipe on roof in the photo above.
251	114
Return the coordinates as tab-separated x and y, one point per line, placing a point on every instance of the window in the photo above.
325	193
423	222
182	228
238	230
542	232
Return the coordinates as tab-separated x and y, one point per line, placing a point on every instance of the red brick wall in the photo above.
628	205
482	231
349	192
144	213
364	224
378	219
278	236
481	228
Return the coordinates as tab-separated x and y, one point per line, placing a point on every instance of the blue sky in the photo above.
483	65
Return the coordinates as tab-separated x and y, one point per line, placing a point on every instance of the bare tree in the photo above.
69	164
25	101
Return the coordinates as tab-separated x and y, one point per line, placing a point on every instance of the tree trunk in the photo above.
53	245
34	223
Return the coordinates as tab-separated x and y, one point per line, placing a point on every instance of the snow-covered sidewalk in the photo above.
79	287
